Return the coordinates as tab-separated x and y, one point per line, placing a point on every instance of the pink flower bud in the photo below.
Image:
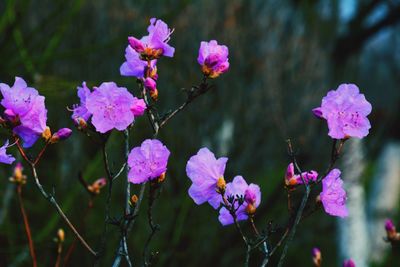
389	226
138	107
317	112
150	84
136	44
62	134
317	257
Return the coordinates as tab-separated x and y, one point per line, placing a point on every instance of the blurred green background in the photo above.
284	55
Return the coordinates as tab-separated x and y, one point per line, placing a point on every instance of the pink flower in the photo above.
204	170
292	179
25	110
252	197
4	157
148	161
346	111
110	107
333	196
213	58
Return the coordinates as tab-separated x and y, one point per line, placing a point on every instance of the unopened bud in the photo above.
391	232
317	257
18	177
134	199
62	134
97	186
136	44
60	235
46	133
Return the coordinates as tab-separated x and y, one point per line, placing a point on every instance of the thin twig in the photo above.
53	201
26	224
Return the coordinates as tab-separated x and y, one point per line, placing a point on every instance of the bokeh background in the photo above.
284	55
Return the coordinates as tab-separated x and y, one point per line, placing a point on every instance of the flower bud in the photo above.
391	232
97	185
317	257
60	235
150	84
62	134
18	177
134	199
317	112
136	44
46	133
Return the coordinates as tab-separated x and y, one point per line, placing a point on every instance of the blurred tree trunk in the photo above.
353	231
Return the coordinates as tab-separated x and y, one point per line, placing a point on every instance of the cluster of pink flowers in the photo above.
207	175
25	111
26	115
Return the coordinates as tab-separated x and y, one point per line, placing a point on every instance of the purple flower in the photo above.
62	134
155	44
139	107
134	65
213	58
349	263
111	107
239	188
25	109
333	196
4	158
292	179
204	170
345	110
80	111
147	161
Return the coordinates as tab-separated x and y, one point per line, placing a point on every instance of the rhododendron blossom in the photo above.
4	158
292	179
111	107
204	170
25	110
148	161
346	111
251	195
155	44
213	58
333	196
